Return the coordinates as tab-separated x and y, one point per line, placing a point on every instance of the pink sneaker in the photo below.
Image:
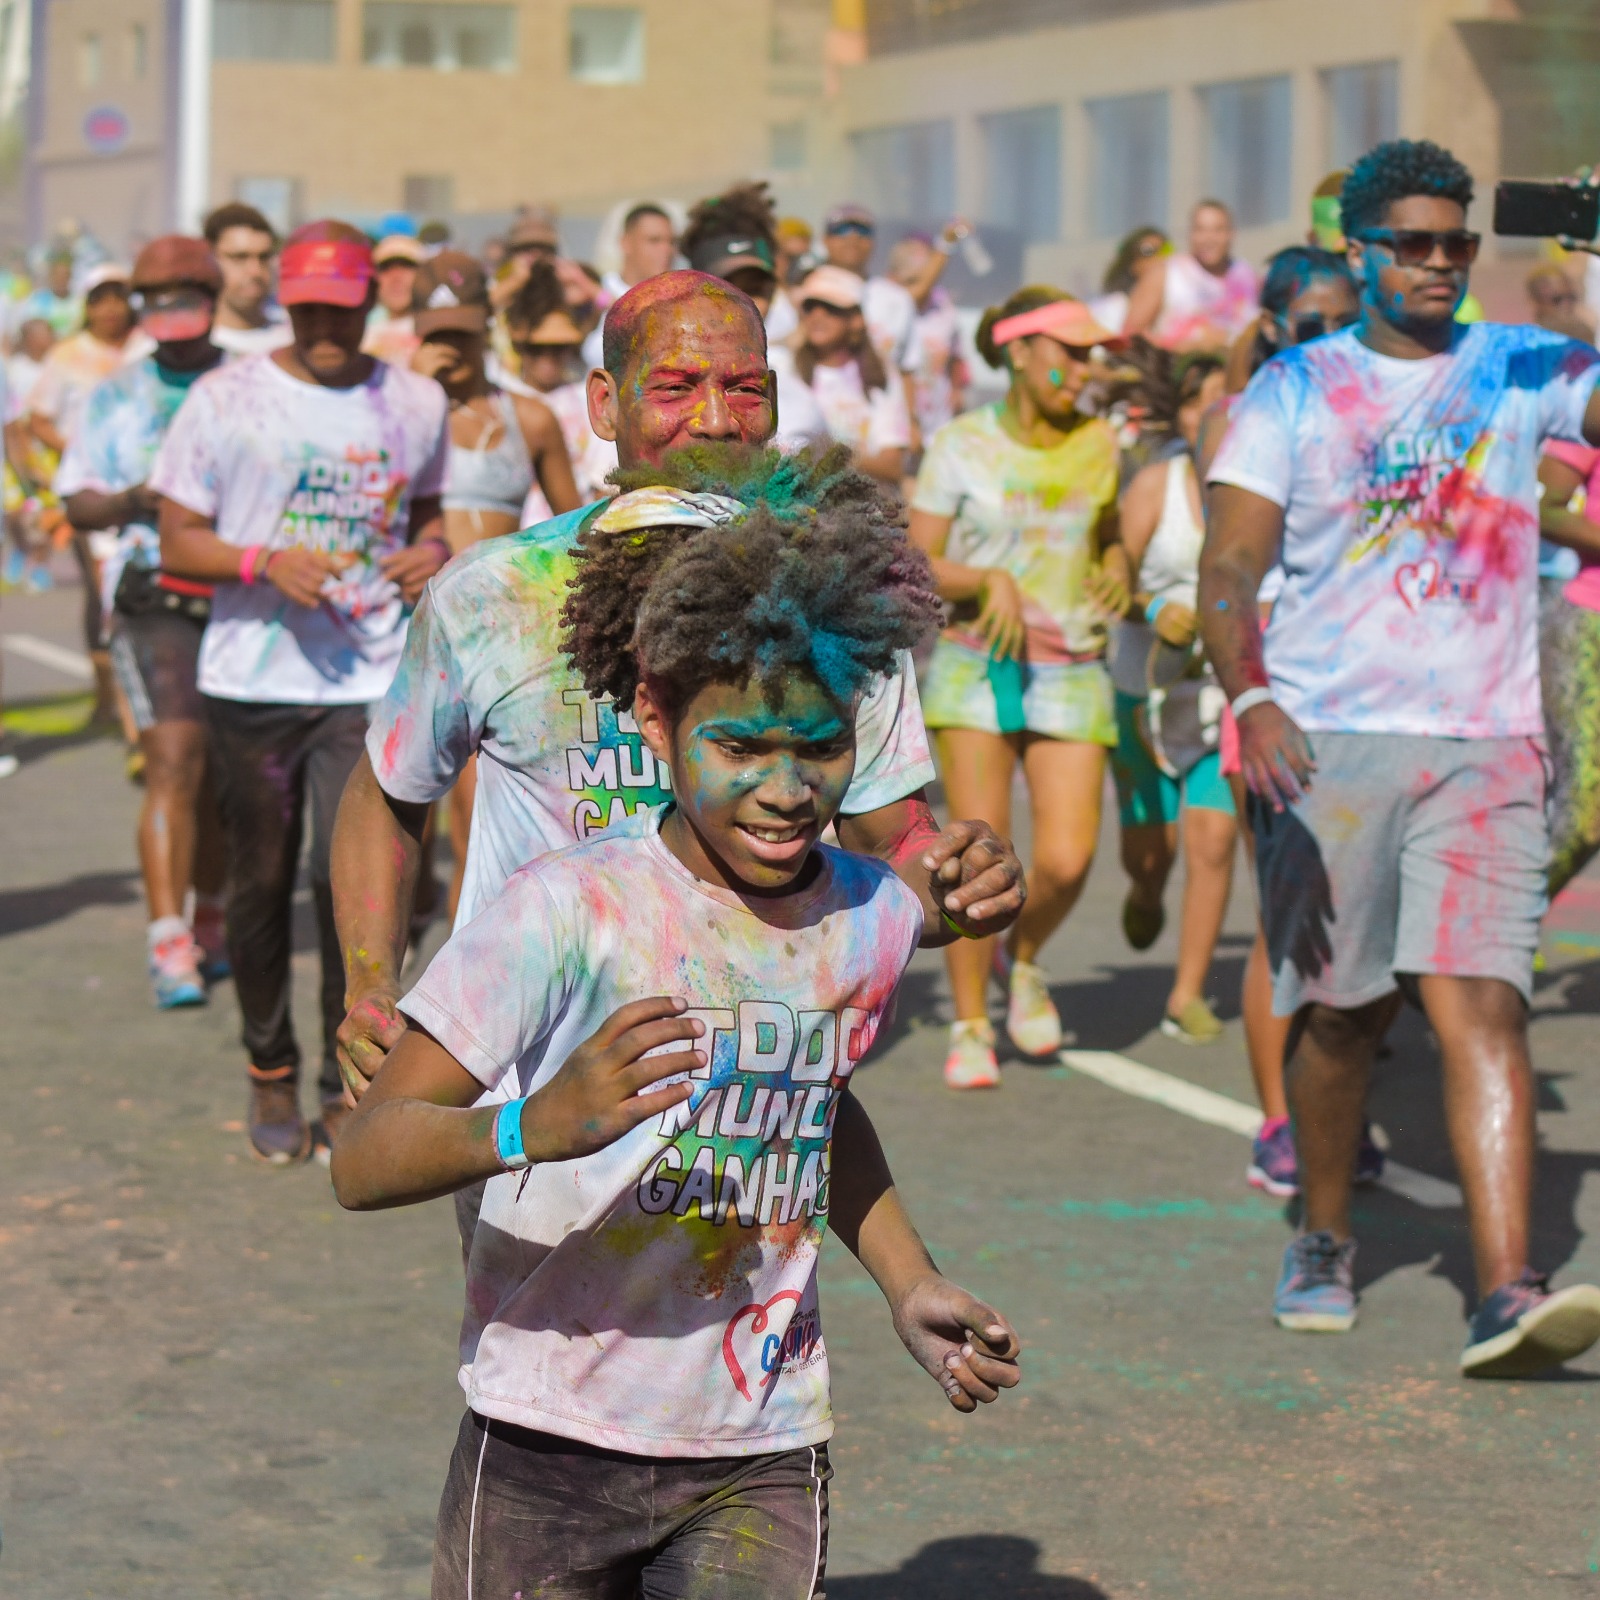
971	1062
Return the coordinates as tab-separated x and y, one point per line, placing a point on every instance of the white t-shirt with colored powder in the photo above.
891	318
1031	513
866	422
281	463
1411	525
660	1296
483	671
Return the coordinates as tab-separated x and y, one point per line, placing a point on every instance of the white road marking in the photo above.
70	663
1223	1111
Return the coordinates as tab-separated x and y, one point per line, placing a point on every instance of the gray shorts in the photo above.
1409	855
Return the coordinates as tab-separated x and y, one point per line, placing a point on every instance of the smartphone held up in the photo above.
1555	209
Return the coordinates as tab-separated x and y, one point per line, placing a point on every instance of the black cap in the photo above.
729	252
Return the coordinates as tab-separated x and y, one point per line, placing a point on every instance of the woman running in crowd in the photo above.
1139	254
863	406
499	444
1168	713
545	340
1016	506
1202	298
1306	293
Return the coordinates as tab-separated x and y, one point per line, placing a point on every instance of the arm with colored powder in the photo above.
967	1347
968	878
425	549
1557	521
994	590
1241	545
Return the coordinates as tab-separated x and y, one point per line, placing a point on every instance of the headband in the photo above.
660	507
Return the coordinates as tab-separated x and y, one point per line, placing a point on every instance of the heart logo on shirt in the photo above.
1416	581
760	1317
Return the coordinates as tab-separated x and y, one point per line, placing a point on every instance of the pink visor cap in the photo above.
1069	321
316	269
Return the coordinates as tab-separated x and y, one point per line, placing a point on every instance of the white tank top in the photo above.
491	476
1170	569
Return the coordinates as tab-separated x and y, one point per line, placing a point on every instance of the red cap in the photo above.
325	263
177	261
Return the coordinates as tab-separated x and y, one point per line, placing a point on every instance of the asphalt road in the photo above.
215	1383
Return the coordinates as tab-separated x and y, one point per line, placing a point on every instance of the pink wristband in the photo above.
247	563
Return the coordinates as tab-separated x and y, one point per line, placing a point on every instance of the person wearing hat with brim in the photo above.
305	485
862	403
391	335
849	236
157	621
108	338
733	236
546	343
1016	506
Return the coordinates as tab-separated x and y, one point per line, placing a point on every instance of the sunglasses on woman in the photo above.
1314	324
1414	247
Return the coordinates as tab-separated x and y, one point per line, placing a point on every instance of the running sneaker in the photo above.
1273	1167
8	764
1142	925
1369	1156
1031	1016
971	1062
1196	1023
211	934
175	972
278	1133
1316	1291
326	1129
40	579
16	568
1522	1328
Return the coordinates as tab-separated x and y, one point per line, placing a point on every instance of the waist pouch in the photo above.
144	591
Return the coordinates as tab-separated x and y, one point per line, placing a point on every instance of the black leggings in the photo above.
273	764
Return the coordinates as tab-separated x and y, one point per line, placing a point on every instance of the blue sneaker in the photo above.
1316	1292
16	568
1273	1168
175	973
1369	1157
1522	1328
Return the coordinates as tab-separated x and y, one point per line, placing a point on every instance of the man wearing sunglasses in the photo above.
1391	730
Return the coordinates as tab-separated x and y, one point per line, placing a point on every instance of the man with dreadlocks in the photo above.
1390	727
685	367
667	1017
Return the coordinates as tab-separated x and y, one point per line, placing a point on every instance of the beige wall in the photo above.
1440	91
122	194
350	133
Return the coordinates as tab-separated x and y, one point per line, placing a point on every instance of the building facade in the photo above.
1060	125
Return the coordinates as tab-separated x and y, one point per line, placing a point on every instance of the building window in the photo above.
428	195
788	146
89	61
1129	183
277	199
908	173
1247	132
1363	109
273	30
445	38
138	51
605	44
1022	169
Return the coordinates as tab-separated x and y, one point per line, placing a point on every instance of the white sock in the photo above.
164	928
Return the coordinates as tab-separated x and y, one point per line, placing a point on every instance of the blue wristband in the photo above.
508	1136
1153	606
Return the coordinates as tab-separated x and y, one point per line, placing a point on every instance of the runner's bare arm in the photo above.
1242	543
190	548
1557	522
968	878
548	450
965	1345
1142	503
377	853
1110	580
426	549
1591	419
1145	300
416	1134
92	509
999	600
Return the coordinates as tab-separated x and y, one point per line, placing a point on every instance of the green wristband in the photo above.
956	928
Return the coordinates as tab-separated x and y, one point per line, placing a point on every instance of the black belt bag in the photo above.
145	591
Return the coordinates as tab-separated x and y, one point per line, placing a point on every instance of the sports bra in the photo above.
494	474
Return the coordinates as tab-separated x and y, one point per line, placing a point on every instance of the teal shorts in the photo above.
966	688
1145	794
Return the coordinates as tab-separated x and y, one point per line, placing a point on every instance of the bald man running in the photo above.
685	365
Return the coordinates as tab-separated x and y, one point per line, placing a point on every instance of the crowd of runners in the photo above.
665	597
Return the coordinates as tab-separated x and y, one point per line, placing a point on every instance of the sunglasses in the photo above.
863	229
1414	247
1313	325
184	297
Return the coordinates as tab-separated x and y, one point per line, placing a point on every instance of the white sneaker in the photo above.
971	1062
1031	1017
